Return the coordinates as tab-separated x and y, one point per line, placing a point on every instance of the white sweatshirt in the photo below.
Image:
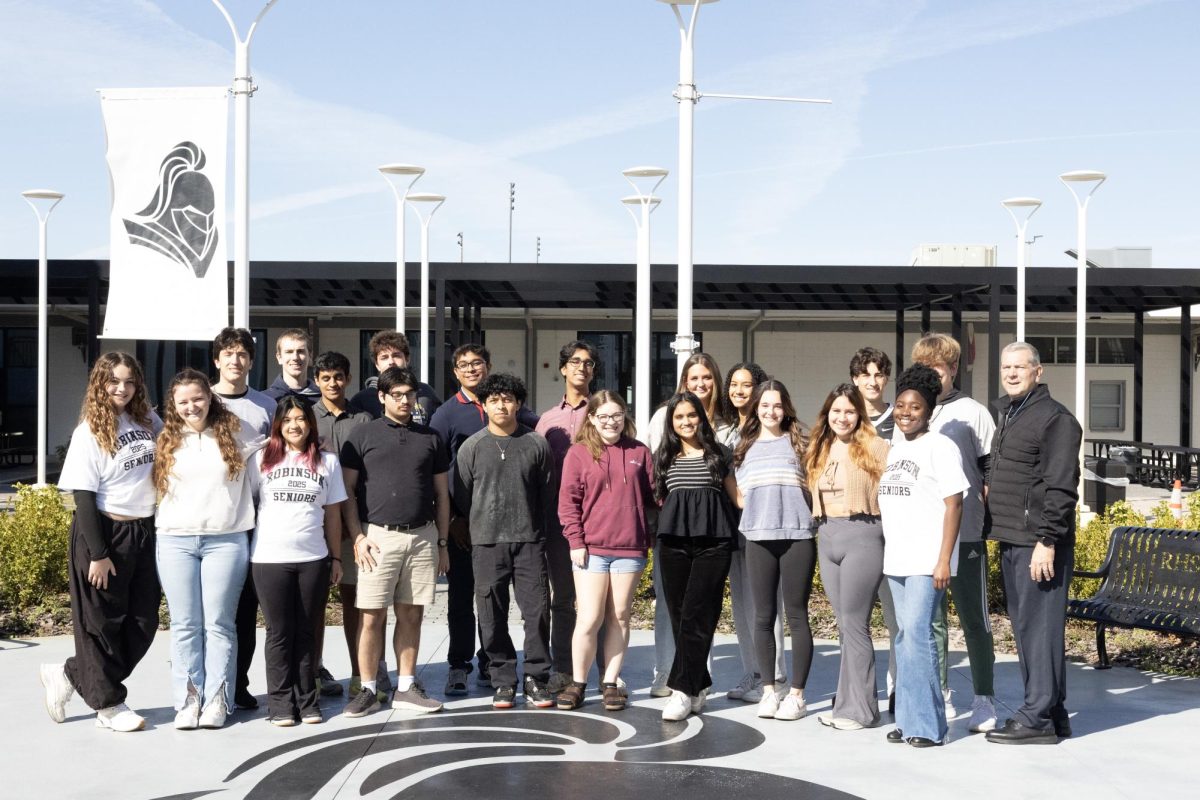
200	499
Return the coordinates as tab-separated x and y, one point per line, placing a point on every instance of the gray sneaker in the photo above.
456	683
363	703
415	699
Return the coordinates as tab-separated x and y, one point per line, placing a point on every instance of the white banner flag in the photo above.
167	263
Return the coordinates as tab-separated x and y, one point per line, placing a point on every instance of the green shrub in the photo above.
1091	543
33	547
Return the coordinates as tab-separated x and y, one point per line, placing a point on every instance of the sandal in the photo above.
614	698
571	697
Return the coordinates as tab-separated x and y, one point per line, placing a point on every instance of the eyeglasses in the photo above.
470	366
586	363
401	396
605	419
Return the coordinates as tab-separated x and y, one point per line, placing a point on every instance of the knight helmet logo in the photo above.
180	221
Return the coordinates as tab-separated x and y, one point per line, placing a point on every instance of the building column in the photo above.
993	378
1186	373
926	317
93	318
439	337
956	331
1139	367
898	356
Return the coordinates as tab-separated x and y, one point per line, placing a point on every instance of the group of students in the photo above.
237	497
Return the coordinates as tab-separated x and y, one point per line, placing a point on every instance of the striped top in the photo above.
691	472
774	503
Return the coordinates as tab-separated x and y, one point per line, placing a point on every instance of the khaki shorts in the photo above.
406	568
349	565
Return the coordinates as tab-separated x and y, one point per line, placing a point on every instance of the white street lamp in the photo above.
396	175
688	96
432	202
647	202
1030	205
243	87
1070	180
42	201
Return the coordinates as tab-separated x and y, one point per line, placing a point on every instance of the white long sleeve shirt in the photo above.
200	498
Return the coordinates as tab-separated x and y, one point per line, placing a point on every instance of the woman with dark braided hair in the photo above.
204	512
920	498
113	582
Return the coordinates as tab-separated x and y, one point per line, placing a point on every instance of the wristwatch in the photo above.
442	542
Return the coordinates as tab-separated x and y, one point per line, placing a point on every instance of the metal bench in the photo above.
1150	580
12	453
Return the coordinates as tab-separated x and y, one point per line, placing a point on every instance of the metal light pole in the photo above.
1011	205
433	202
395	175
243	87
1070	179
647	202
48	200
687	95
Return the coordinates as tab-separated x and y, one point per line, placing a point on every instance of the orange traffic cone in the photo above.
1176	503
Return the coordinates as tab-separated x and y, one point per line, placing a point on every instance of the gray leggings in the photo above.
851	569
771	565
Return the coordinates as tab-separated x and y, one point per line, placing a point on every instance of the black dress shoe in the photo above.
895	736
921	741
1062	726
892	703
244	700
1014	732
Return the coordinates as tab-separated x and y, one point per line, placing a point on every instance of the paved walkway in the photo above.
1134	737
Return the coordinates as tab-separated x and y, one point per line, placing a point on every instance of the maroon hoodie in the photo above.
602	504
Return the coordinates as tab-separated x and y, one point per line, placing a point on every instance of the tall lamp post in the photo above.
1029	205
640	205
687	95
431	202
397	176
42	201
243	87
1076	182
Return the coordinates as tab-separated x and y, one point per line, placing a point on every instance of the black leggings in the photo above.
768	564
292	596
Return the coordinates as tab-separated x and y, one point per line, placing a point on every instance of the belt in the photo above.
403	528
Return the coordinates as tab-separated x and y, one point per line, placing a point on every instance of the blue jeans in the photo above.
920	708
202	577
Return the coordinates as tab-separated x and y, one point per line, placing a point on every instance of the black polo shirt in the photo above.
396	464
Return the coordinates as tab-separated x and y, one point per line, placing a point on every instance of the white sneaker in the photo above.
738	692
699	700
768	704
659	687
188	717
58	690
951	713
120	718
754	693
791	707
983	714
678	707
214	714
840	723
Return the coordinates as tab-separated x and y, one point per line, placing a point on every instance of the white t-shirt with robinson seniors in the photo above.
920	475
122	481
291	507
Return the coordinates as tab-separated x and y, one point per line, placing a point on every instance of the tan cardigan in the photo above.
862	492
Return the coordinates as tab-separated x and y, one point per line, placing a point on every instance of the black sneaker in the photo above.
363	703
505	697
244	700
327	686
536	694
484	678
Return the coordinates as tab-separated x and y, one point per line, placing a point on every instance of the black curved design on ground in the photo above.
513	755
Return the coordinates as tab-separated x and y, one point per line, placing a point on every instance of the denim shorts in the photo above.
612	564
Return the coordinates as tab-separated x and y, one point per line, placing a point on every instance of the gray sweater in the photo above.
504	483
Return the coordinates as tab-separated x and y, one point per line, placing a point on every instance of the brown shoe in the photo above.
614	698
571	697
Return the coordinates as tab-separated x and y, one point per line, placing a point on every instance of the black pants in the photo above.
524	565
693	576
460	609
562	600
768	565
246	624
115	626
1038	611
292	596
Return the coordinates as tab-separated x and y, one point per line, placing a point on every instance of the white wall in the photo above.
67	381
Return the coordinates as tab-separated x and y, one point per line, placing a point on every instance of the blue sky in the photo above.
941	109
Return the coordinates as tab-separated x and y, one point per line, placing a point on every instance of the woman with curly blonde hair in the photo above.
204	512
112	579
844	462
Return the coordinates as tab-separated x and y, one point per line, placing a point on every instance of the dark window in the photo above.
161	360
664	371
1115	349
1045	347
614	370
18	380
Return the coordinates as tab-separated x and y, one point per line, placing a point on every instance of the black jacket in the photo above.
1033	477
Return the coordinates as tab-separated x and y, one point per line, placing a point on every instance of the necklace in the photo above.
498	447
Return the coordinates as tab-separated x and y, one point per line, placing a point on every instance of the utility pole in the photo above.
538	260
512	205
460	247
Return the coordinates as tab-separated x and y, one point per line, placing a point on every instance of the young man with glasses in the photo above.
459	418
402	549
577	364
504	482
391	349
